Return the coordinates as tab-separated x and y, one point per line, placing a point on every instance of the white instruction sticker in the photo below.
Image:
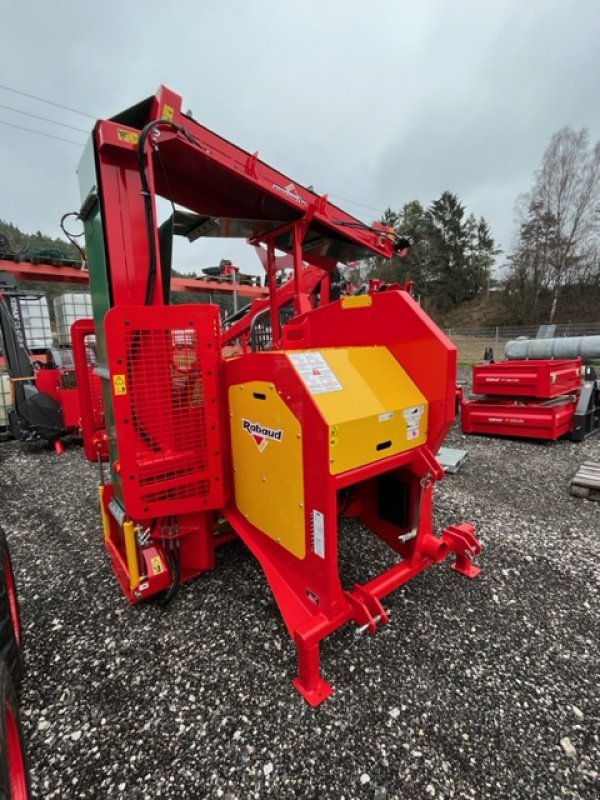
317	375
412	417
318	533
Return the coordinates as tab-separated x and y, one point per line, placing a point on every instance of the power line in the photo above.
48	102
41	133
356	203
45	119
91	116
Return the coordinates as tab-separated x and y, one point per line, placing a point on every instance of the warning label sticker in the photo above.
318	533
119	385
127	136
317	375
157	565
412	417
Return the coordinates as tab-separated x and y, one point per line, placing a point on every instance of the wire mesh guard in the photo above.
163	370
261	334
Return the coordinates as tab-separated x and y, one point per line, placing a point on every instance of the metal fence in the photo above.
472	342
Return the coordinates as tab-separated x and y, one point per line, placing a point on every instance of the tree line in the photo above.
554	259
452	253
555	255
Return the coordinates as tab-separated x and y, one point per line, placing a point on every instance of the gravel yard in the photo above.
476	689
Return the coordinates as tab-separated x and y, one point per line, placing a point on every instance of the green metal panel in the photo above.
95	250
99	285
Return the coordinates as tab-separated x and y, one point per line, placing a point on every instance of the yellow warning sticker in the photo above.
168	112
127	136
157	565
119	385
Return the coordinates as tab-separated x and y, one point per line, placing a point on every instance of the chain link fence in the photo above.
472	342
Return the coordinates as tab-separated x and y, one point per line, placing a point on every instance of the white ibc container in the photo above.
68	308
5	399
36	322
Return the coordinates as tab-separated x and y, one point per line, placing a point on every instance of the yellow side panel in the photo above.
372	407
266	441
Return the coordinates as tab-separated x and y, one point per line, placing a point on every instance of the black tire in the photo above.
14	773
11	651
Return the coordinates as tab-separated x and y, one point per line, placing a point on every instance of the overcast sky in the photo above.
377	103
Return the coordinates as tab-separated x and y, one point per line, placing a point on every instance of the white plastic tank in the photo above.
36	322
5	399
68	308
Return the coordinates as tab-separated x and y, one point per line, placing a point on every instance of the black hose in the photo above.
172	591
147	195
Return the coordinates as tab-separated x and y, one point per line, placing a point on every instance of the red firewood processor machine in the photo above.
301	409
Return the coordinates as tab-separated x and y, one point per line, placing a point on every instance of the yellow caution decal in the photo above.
124	135
157	565
119	385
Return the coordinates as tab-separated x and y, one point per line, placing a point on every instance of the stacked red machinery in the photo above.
89	387
310	407
537	399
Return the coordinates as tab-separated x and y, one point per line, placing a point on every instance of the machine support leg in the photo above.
461	540
58	447
313	688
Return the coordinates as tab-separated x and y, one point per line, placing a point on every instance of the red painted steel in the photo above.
60	385
164	397
540	379
172	466
89	389
26	271
524	418
394	320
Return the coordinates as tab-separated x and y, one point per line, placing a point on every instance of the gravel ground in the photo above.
476	689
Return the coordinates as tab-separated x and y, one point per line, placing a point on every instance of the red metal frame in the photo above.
164	399
211	176
26	271
89	388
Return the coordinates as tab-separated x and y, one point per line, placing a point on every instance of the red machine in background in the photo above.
307	408
538	399
89	386
44	398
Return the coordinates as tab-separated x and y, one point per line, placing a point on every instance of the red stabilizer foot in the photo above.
315	695
467	569
58	447
462	541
